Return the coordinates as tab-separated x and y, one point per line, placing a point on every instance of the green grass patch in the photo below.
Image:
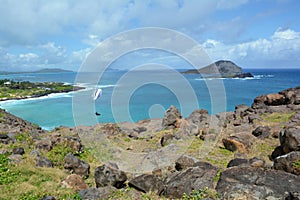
195	146
263	149
127	139
57	154
34	195
224	152
296	164
218	176
128	193
24	137
6	175
220	157
201	194
25	181
277	117
87	155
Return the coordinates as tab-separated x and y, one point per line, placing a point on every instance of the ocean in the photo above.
127	97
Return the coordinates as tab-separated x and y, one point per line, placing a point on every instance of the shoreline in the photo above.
36	96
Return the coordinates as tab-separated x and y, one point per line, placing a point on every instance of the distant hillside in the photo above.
45	70
51	70
221	68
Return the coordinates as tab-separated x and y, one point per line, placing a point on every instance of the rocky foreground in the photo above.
251	153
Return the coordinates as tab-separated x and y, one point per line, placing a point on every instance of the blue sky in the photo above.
49	34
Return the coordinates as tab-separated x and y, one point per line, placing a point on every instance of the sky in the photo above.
37	34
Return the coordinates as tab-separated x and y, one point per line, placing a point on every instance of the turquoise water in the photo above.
147	100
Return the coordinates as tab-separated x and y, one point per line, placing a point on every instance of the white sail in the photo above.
97	94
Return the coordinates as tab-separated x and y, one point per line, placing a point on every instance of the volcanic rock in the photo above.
289	162
172	118
256	183
147	183
108	176
75	165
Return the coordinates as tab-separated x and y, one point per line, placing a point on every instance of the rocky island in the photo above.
252	152
22	90
220	69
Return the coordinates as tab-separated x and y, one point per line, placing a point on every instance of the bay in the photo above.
148	99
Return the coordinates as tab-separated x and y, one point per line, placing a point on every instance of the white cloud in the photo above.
285	34
26	22
282	47
29	24
45	55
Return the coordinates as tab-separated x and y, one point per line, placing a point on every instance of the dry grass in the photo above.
32	182
263	149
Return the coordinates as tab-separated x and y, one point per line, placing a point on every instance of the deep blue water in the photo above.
147	99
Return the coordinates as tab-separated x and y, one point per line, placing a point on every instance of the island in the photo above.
40	71
220	69
10	89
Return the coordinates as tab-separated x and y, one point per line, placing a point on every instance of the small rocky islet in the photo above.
221	69
250	153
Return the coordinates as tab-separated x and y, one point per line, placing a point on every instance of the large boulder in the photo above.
184	162
238	162
72	142
278	151
285	97
5	139
240	142
107	175
256	183
290	139
262	132
295	119
289	162
75	182
254	162
198	117
77	166
292	95
241	111
147	183
44	144
184	182
96	193
275	99
41	161
172	118
197	122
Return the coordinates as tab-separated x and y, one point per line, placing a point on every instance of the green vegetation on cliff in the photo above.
22	90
